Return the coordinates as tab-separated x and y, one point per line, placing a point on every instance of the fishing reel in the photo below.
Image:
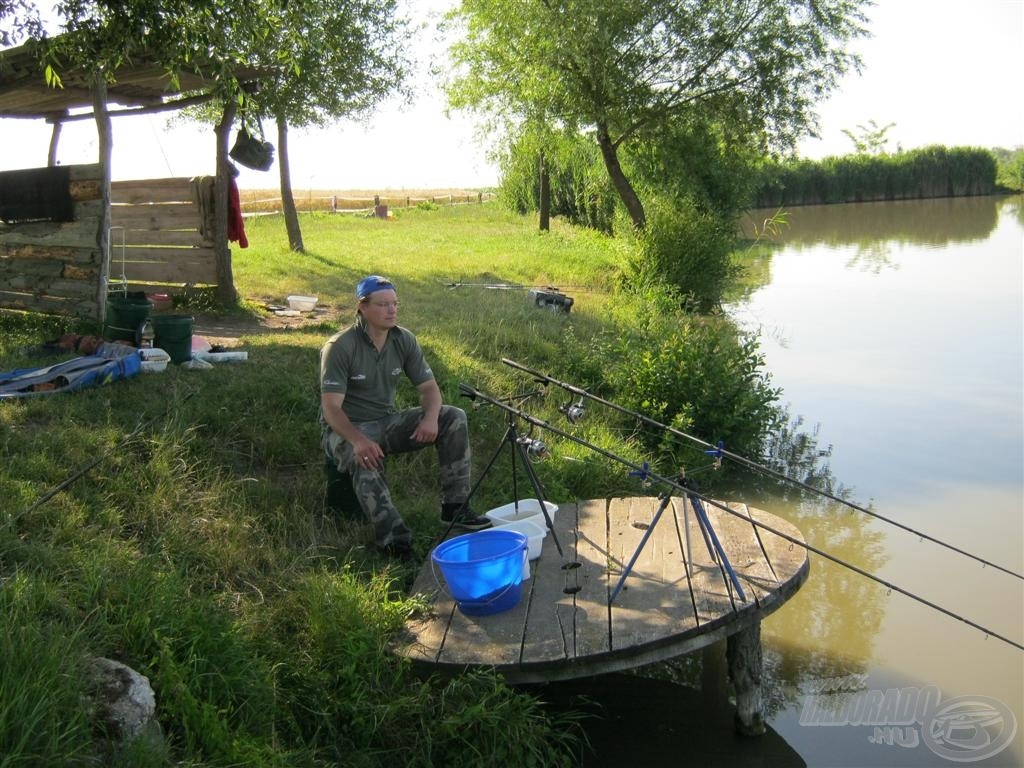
574	412
536	449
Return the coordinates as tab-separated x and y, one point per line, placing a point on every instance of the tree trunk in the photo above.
291	216
222	251
626	192
545	194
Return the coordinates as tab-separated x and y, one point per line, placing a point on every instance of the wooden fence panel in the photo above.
178	268
162	233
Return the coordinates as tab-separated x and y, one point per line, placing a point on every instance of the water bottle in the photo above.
146	334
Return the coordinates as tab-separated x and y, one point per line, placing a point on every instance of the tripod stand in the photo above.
518	445
710	538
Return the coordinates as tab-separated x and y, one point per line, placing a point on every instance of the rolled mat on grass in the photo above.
68	376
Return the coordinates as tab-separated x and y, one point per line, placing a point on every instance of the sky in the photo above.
943	71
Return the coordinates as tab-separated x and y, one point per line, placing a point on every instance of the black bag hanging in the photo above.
251	152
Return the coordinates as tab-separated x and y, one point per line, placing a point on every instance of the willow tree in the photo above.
618	69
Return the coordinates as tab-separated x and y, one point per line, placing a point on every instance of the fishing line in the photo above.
645	471
719	450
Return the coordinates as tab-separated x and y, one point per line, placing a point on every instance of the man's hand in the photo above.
430	401
368	453
426	431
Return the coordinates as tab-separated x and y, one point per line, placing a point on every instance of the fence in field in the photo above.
262	202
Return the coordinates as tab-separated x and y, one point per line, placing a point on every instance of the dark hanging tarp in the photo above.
36	194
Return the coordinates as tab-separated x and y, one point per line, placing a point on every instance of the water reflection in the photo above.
872	257
935	222
899	329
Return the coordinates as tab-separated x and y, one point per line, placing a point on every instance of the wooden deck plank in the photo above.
563	626
590	617
789	561
743	548
654	601
548	636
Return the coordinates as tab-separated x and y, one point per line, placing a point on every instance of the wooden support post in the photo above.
225	277
105	136
743	655
51	156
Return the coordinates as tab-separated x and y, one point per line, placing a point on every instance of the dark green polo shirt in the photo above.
351	365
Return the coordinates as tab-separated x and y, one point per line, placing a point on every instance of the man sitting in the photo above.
359	371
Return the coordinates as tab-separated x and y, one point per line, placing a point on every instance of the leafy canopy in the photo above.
760	63
344	57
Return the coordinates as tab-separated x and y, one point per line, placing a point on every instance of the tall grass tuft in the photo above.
921	173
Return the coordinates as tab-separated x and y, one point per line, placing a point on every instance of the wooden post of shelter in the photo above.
51	155
105	135
225	279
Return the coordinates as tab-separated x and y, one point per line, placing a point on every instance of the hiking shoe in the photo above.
466	520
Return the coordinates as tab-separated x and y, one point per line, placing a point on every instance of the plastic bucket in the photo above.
483	570
124	316
174	336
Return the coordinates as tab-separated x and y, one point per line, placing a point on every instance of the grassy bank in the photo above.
198	550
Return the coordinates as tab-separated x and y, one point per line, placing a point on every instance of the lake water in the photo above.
896	331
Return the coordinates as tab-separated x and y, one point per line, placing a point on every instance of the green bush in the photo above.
1010	165
698	375
686	248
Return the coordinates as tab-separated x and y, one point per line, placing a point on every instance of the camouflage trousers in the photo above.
393	434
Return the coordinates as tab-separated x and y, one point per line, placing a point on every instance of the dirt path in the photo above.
226	330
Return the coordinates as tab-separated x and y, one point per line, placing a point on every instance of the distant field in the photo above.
261	200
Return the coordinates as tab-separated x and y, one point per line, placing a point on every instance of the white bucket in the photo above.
535	529
526	509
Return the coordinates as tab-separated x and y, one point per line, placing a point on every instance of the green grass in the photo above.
198	550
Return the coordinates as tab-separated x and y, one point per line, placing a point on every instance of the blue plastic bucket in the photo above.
483	570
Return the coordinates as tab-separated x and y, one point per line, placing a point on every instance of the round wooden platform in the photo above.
565	625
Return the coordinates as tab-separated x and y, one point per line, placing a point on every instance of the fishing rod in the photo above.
547	297
81	471
718	450
518	286
644	472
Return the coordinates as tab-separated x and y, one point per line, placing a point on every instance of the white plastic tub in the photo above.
302	303
527	509
534	531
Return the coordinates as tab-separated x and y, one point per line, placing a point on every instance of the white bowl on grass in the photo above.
302	303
